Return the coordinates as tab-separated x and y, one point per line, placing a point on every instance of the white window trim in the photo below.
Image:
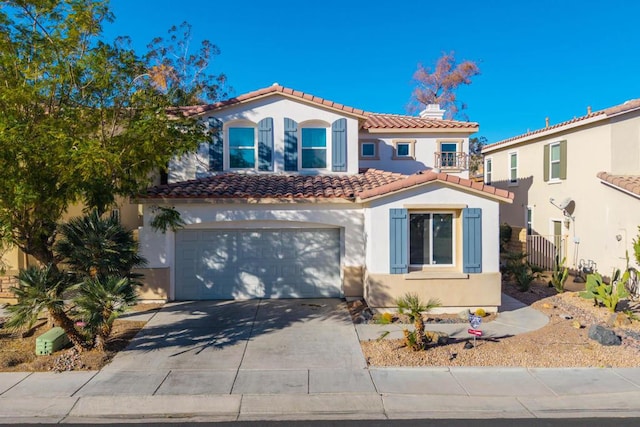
454	249
488	160
227	144
315	125
550	179
458	143
510	168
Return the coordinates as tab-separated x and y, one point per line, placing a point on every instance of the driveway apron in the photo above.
282	334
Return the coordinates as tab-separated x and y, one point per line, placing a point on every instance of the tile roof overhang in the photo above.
371	122
629	184
275	188
597	116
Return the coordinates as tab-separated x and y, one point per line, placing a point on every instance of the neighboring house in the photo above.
297	196
576	186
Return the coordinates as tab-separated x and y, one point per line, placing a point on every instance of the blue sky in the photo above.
543	58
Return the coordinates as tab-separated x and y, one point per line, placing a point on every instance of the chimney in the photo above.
432	111
546	122
588	109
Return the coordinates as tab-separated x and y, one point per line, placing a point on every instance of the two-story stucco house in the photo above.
297	196
576	184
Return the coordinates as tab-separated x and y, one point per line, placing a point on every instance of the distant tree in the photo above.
181	75
82	119
439	85
475	152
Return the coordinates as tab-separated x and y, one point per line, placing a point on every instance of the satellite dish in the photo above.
563	204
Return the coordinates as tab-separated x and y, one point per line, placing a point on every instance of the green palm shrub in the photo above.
411	305
41	289
94	246
100	301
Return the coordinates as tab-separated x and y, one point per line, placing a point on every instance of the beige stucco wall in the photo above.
600	213
461	291
155	284
353	281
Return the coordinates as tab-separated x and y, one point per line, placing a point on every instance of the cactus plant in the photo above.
559	274
603	293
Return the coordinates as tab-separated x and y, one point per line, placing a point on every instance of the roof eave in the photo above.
544	134
242	200
467	130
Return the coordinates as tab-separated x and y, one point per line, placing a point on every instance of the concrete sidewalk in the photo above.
376	393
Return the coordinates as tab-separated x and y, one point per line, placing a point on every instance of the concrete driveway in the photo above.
256	334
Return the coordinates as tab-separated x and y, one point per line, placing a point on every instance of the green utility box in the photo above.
50	341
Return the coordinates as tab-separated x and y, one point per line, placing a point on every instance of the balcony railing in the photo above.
451	160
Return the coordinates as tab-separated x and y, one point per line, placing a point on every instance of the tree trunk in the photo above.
62	320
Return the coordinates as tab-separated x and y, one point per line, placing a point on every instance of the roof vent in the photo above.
275	84
432	111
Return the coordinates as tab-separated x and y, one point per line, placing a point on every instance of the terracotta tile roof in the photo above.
628	183
273	89
602	114
371	183
371	120
429	176
396	121
247	186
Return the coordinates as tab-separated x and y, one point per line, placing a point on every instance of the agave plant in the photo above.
100	301
42	289
411	305
92	246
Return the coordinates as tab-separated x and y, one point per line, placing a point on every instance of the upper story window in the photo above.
488	170
369	150
431	238
450	155
513	168
403	149
242	148
314	148
555	161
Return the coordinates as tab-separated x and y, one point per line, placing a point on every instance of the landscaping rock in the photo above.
439	338
617	320
566	316
604	336
576	324
464	315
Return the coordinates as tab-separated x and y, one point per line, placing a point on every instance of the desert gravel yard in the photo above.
558	344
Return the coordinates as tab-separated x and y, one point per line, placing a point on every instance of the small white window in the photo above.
554	161
513	168
488	170
403	149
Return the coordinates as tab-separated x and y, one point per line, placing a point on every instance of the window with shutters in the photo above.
242	148
555	161
431	238
313	148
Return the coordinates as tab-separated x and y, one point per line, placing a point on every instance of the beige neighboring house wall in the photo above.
602	163
14	259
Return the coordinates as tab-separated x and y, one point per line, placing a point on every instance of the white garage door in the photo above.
239	264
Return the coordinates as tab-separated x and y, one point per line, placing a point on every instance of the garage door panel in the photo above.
283	263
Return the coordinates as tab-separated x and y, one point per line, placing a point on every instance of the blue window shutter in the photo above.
265	144
472	240
398	246
216	146
339	145
290	145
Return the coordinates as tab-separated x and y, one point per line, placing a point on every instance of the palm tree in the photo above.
100	301
94	246
412	306
42	289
